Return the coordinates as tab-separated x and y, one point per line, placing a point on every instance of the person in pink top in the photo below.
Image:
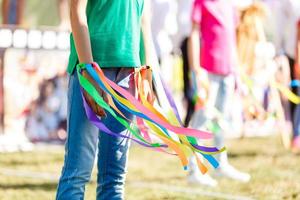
214	24
216	21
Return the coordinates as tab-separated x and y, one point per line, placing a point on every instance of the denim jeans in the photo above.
296	126
83	141
220	91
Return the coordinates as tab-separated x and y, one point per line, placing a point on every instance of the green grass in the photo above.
275	174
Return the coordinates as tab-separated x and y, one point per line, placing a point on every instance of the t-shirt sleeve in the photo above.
197	11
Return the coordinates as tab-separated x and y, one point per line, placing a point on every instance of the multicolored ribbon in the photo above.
151	123
287	92
284	90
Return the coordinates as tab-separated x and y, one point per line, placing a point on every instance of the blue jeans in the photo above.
221	89
296	127
83	139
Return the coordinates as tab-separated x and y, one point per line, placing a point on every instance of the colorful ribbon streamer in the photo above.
295	83
151	123
286	92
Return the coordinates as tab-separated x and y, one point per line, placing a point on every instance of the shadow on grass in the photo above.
161	179
251	154
244	154
292	196
30	186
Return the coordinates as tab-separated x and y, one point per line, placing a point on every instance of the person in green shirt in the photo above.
110	33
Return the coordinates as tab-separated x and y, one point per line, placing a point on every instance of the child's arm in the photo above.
81	36
194	48
80	30
201	78
194	55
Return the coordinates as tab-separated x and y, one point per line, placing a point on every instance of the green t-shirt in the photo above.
115	33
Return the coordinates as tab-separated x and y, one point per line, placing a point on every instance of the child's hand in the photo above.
147	85
95	107
201	75
202	79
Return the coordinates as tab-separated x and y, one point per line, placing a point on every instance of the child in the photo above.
285	34
184	29
296	136
107	32
215	21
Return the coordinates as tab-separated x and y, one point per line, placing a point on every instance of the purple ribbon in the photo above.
101	126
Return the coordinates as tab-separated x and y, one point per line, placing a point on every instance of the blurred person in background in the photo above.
215	23
164	26
13	11
61	93
263	105
286	15
184	31
250	33
50	104
107	32
47	116
35	128
296	136
63	6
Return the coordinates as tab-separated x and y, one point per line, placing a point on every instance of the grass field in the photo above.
152	176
